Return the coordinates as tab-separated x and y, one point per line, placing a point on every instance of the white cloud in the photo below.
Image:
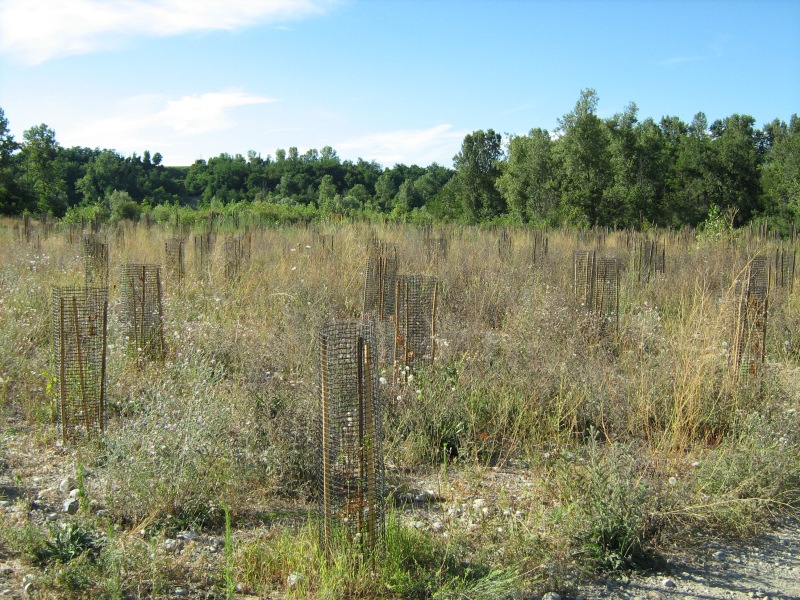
205	112
156	122
409	146
33	31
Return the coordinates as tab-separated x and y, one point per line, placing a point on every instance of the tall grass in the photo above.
623	440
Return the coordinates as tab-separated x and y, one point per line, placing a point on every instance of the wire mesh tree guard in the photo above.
436	248
350	434
415	320
596	288
538	242
605	294
583	264
142	310
95	260
379	284
80	319
783	268
175	261
237	253
203	251
650	259
504	244
750	331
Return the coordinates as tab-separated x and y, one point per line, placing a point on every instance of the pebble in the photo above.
668	583
718	555
551	596
52	516
478	503
437	526
71	506
172	545
67	485
425	497
187	535
180	592
294	579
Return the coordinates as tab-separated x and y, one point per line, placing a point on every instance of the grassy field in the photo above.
532	456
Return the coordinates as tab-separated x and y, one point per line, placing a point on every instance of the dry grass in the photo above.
620	442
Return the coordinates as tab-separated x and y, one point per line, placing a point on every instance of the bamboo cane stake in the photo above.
62	383
160	315
371	447
85	403
326	491
362	497
103	368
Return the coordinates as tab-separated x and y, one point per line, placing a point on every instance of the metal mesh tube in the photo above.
350	433
80	318
415	320
142	310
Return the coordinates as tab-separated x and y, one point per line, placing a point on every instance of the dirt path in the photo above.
766	568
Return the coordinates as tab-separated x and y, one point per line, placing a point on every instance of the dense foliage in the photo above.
619	172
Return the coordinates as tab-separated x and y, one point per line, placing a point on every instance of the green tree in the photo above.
326	195
737	165
477	171
780	175
122	206
584	152
41	174
529	182
692	181
11	197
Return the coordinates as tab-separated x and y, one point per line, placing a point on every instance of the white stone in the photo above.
71	506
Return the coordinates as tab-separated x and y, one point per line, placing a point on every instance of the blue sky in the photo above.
386	80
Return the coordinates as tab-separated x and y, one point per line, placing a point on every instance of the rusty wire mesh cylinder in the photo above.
80	318
379	284
415	320
538	246
237	253
650	259
583	268
436	248
350	435
175	263
605	294
504	244
95	260
142	309
203	250
783	268
750	332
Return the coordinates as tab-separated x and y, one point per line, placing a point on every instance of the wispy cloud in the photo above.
158	122
409	146
34	31
716	50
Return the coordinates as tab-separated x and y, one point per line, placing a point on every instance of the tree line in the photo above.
589	171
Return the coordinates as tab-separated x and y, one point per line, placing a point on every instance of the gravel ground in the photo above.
768	567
